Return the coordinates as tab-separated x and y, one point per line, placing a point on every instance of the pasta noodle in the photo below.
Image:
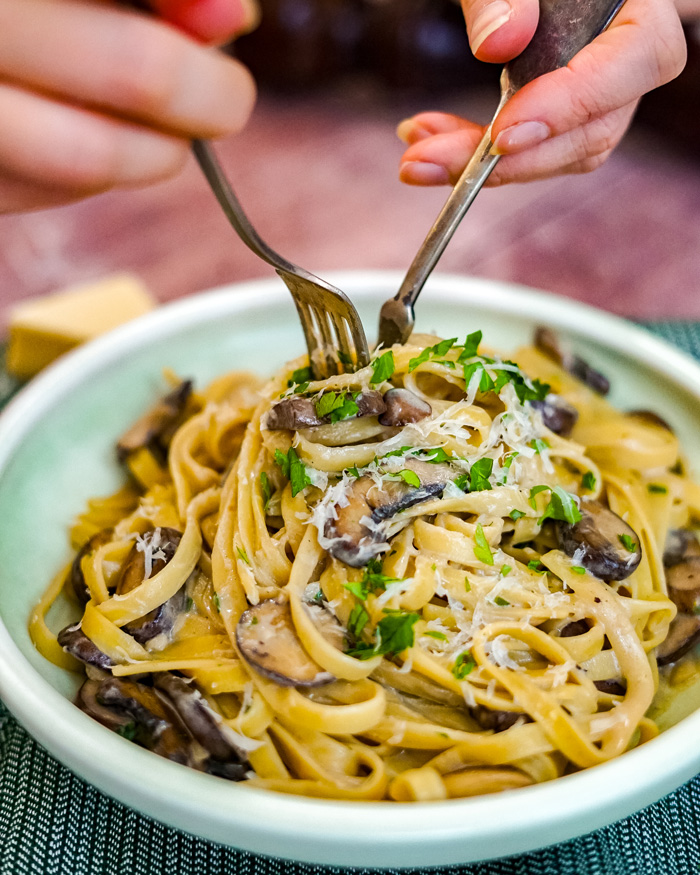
436	577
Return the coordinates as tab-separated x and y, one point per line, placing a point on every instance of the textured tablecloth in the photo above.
52	822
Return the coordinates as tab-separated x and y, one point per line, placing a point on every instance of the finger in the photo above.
75	150
579	151
643	49
440	159
427	124
211	21
500	29
125	64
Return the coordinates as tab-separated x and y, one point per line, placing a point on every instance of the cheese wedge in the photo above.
42	329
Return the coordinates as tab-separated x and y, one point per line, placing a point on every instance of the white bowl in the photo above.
56	450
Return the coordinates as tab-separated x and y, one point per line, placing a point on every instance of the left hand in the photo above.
567	121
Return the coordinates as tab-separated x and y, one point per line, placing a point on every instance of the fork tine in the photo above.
332	363
313	343
345	345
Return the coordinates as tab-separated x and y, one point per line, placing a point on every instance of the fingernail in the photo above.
423	173
409	131
489	19
251	15
519	137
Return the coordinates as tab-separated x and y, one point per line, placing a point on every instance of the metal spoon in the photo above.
565	27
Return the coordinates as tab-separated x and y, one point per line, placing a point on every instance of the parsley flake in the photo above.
409	477
439	636
628	543
471	346
300	376
440	349
516	514
578	569
128	730
501	602
537	566
243	555
482	551
293	469
657	488
336	406
266	490
539	444
464	665
382	368
588	481
479	475
506	570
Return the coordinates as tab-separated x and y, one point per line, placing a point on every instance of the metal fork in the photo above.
565	27
334	334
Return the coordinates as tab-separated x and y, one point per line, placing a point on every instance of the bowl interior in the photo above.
56	451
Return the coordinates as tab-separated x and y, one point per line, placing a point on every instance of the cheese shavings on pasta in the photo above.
440	576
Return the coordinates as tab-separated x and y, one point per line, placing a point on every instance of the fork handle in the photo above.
397	318
207	160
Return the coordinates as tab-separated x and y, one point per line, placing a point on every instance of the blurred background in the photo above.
317	170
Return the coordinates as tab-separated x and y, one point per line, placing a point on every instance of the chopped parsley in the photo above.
486	383
539	444
588	481
516	514
189	604
344	359
217	602
128	730
479	475
506	570
501	602
439	636
471	346
467	585
578	569
657	488
534	492
440	349
464	665
243	555
482	551
509	459
357	621
628	543
536	566
562	506
293	469
372	581
266	490
393	635
409	477
462	482
382	368
337	405
300	377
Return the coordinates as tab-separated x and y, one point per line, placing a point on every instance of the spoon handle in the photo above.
565	27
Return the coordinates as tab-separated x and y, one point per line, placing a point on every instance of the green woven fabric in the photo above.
52	822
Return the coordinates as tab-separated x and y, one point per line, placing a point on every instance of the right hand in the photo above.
95	96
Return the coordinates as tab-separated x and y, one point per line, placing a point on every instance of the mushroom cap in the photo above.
597	542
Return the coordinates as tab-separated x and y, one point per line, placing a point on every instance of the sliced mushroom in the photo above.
355	536
548	343
683	581
402	408
611	686
498	721
557	414
683	634
204	724
87	702
574	628
680	544
155	429
649	417
295	413
76	578
74	641
147	557
599	541
268	642
157	726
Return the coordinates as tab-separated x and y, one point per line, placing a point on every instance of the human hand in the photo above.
568	121
95	96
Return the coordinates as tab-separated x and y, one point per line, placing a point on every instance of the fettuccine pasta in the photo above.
440	576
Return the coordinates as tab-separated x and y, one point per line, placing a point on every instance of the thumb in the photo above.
500	29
